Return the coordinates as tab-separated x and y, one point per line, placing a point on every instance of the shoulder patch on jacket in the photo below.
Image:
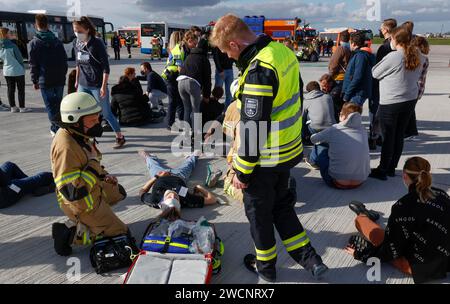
251	107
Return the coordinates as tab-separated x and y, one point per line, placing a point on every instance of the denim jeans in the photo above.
104	103
183	171
27	184
323	161
52	100
228	80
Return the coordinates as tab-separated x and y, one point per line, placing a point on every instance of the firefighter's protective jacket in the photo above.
79	181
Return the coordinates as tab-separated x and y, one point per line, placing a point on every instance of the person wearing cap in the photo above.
175	181
85	190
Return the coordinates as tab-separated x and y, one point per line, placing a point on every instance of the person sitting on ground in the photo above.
174	180
330	87
211	109
357	87
128	103
416	239
14	184
156	86
346	163
318	111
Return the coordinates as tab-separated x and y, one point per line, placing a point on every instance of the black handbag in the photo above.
111	253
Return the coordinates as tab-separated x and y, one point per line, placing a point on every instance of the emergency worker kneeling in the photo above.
84	189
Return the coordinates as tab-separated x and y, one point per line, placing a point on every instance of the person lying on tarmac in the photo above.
14	184
174	180
416	239
84	189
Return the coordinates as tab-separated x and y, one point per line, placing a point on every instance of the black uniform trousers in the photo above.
270	204
175	102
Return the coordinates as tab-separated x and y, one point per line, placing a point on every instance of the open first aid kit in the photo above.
175	252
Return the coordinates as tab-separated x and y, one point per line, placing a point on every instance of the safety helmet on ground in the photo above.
76	105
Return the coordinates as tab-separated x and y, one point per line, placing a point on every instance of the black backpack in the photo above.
111	253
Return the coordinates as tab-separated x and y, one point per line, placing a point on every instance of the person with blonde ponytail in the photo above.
417	237
399	73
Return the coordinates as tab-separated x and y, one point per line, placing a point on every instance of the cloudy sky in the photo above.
429	15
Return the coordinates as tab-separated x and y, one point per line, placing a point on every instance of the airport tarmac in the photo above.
26	246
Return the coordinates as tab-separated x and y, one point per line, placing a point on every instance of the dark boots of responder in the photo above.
63	238
276	209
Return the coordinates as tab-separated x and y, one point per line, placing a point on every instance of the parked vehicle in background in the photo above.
335	35
135	31
280	29
22	30
163	29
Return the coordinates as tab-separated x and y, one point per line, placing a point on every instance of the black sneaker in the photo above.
391	173
378	174
360	208
267	275
63	238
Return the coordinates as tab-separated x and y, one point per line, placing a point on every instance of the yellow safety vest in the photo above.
284	142
176	54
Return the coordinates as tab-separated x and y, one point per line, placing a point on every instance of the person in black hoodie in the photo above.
129	103
48	63
194	80
416	240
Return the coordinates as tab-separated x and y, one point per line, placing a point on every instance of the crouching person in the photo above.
346	163
85	191
416	239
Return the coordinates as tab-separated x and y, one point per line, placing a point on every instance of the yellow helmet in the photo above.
76	105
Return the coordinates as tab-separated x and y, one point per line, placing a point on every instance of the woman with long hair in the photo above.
399	73
416	240
92	66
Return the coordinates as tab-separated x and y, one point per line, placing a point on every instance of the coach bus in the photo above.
22	29
165	29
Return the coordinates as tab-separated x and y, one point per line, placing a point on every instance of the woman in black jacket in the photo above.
194	80
417	237
129	103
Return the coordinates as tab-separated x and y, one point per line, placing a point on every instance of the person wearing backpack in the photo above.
48	64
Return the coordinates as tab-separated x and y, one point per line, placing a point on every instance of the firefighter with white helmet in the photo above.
85	191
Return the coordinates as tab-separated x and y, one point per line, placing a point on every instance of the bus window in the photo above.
148	30
12	27
70	35
57	29
31	31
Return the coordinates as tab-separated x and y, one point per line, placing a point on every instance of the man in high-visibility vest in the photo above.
85	191
270	144
171	72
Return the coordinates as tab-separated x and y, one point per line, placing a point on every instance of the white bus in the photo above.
165	29
22	30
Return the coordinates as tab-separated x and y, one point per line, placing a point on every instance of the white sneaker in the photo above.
53	134
25	110
14	110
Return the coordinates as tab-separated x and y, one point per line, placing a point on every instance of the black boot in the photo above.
268	275
378	174
308	258
63	238
360	208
